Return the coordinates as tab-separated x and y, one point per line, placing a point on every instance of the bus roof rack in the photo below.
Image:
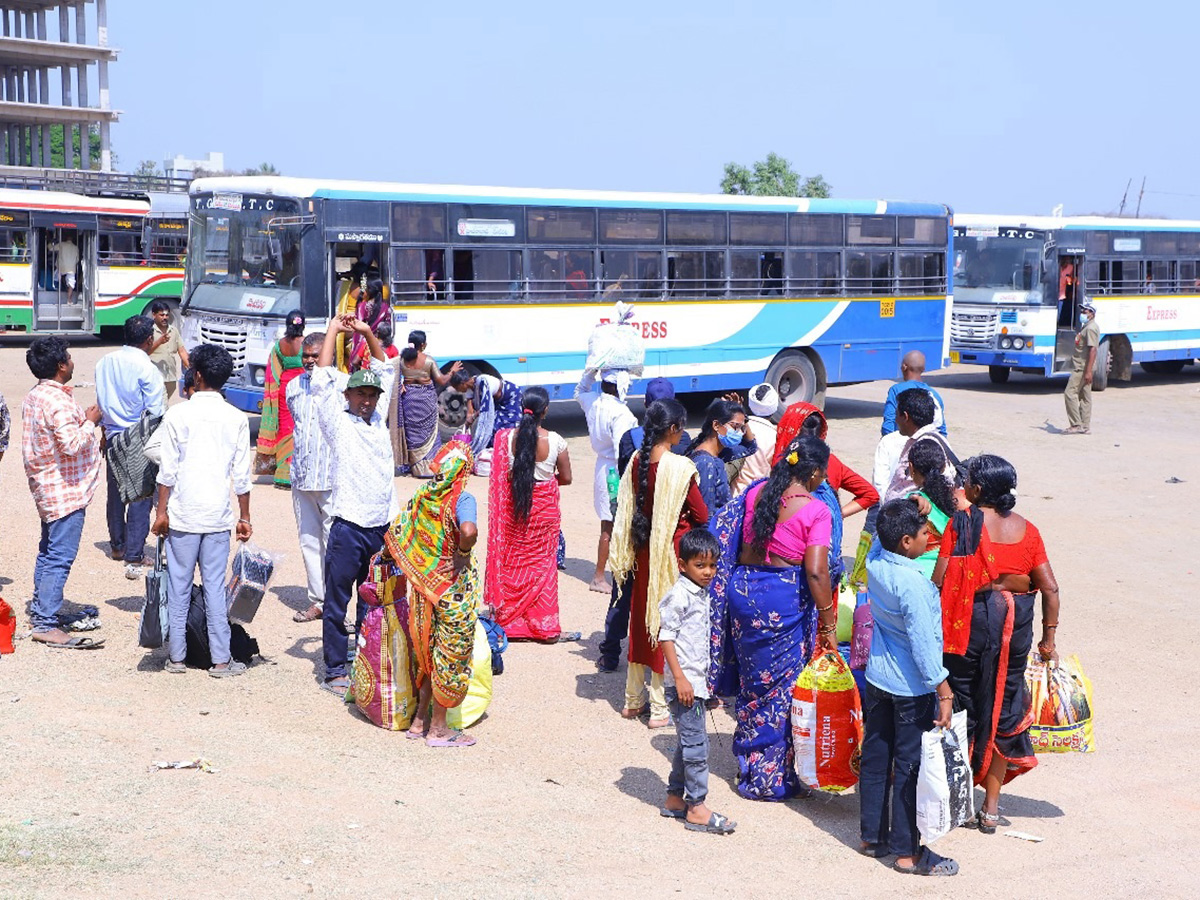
89	183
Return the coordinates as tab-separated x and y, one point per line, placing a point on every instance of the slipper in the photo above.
416	735
565	637
233	669
875	851
928	863
312	614
716	824
659	723
337	686
75	643
175	668
672	813
457	739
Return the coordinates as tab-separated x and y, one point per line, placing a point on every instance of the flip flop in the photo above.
312	614
458	739
716	824
75	643
565	637
928	863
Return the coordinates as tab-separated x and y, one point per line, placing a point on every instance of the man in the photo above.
128	386
914	421
167	351
362	499
608	418
5	426
67	262
206	446
311	462
1083	361
61	451
912	369
763	401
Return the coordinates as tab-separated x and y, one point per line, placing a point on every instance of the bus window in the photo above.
696	273
868	273
695	228
815	229
419	223
921	273
922	230
631	226
560	275
755	273
879	230
814	272
488	275
420	274
14	245
548	225
120	241
761	229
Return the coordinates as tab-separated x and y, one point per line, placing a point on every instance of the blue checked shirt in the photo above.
311	458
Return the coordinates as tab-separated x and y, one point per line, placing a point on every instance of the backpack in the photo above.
242	647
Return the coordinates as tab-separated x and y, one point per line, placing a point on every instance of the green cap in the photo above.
364	378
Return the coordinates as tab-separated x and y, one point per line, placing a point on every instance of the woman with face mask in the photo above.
725	437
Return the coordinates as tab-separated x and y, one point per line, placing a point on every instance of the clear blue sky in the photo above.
1009	106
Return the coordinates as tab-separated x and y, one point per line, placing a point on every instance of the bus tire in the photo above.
999	374
452	404
794	376
1102	366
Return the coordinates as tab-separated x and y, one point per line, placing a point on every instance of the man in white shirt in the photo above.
362	487
205	447
608	418
67	255
916	412
311	463
763	401
128	385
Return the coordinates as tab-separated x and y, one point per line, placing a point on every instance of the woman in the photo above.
275	443
934	496
529	464
725	437
431	541
365	297
495	404
988	633
657	501
413	416
774	561
806	419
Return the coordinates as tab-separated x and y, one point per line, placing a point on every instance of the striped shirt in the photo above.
311	457
61	450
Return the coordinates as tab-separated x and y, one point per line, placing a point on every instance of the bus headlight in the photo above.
1006	343
1018	343
259	376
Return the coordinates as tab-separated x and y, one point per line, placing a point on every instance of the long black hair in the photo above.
929	459
534	402
416	338
996	479
661	416
294	326
810	455
719	411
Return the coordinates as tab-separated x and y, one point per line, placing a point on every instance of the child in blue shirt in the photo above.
907	693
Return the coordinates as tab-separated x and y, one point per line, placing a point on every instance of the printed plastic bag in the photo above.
860	639
945	793
827	724
1060	698
383	680
250	572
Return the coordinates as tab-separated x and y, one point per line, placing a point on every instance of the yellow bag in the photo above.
1060	701
479	691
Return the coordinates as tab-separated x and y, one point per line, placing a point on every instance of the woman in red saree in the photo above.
275	442
529	463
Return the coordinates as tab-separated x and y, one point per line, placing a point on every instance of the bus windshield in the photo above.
240	254
984	266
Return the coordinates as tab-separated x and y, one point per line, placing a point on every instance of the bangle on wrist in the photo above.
247	521
1044	625
822	609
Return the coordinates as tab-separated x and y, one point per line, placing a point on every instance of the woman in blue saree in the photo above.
774	560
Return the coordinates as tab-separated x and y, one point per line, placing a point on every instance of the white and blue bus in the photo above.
728	291
1018	282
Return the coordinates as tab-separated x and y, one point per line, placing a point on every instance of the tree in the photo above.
263	169
773	177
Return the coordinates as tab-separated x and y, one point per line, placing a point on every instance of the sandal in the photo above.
232	669
566	637
175	668
312	614
716	824
338	685
75	643
928	863
456	739
875	851
986	823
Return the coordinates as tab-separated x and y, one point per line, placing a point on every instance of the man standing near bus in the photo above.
1079	386
67	256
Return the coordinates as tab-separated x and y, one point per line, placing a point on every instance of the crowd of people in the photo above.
726	548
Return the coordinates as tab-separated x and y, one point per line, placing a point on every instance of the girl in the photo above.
725	437
275	442
934	496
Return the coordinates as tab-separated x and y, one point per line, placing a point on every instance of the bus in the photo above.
1018	282
130	252
727	290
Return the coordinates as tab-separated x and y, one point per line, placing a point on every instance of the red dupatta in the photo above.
970	568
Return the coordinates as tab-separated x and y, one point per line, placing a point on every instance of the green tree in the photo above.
774	177
57	155
262	169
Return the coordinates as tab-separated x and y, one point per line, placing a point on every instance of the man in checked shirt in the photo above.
61	450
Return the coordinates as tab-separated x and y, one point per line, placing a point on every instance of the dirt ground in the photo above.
559	797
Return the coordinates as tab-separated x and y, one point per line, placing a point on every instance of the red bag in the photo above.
827	724
8	627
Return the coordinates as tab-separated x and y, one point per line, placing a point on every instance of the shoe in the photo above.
1071	429
607	665
133	571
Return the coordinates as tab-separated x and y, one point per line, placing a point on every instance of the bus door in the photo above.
1070	294
350	255
64	255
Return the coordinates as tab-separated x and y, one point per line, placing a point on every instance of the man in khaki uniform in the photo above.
1079	386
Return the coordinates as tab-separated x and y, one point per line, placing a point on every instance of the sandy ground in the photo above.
559	797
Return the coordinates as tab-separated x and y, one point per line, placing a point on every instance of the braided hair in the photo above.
534	403
804	457
661	416
929	460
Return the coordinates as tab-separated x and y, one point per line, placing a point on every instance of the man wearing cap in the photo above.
1083	360
763	401
362	489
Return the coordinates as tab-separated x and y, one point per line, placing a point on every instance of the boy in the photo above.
907	691
912	368
362	500
167	351
684	636
205	446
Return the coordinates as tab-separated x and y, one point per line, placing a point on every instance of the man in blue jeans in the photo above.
127	385
61	451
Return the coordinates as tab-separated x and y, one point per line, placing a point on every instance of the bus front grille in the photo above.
233	339
973	330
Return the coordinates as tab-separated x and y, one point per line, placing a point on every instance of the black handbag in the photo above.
154	622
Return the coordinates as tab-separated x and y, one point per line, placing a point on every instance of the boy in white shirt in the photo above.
205	447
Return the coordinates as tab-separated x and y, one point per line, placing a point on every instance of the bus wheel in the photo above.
1102	367
999	374
793	375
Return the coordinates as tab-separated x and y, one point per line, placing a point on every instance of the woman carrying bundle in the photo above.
770	593
414	414
275	440
529	463
657	502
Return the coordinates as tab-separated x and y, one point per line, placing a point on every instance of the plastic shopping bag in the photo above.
1060	697
827	724
860	639
945	794
479	690
250	572
617	345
